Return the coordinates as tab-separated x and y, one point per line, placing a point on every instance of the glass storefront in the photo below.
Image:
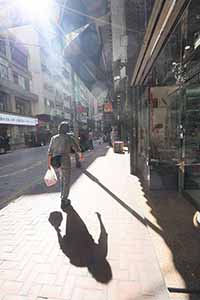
174	105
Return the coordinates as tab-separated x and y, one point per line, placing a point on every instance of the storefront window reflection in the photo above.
175	107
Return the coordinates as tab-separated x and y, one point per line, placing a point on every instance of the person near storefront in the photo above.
91	146
113	136
59	158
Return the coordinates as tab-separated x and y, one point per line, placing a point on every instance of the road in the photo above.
22	170
19	170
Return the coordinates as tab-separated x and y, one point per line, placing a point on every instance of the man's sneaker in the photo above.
65	204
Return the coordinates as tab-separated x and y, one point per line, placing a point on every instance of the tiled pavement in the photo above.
32	265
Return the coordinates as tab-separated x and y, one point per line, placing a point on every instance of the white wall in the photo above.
28	36
118	29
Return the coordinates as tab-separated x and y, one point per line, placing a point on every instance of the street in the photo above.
20	170
32	265
23	170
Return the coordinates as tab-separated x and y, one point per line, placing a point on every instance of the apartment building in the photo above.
17	101
51	78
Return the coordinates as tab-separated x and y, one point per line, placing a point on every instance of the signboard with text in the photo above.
108	107
17	120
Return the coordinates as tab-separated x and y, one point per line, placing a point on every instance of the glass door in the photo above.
192	138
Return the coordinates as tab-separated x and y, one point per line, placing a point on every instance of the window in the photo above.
67	109
155	102
22	107
19	57
15	78
2	46
27	84
51	104
44	68
3	72
45	102
65	73
3	102
21	81
48	87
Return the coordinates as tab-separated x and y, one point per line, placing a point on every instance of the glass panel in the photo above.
164	141
175	107
191	58
165	114
192	138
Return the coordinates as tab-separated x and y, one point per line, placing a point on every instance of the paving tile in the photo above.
34	290
9	274
11	287
50	291
124	290
15	297
84	294
32	265
44	278
68	287
61	275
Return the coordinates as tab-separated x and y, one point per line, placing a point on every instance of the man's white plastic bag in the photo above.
50	177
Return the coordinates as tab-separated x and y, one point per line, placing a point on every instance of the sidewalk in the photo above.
32	265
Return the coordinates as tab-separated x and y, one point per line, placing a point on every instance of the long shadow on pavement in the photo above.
78	245
143	220
174	215
175	220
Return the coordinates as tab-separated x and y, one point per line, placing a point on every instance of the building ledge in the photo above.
9	87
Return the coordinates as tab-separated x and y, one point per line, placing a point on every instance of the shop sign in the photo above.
108	107
17	120
83	119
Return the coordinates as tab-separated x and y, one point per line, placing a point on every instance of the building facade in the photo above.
17	101
164	93
51	78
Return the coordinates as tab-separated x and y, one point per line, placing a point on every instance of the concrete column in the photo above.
8	55
12	103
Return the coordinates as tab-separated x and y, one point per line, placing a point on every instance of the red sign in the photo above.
108	107
80	109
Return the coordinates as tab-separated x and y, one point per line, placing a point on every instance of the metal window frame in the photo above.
164	18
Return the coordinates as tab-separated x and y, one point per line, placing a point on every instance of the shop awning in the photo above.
77	13
85	52
163	20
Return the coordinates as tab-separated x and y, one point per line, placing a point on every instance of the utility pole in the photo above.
74	120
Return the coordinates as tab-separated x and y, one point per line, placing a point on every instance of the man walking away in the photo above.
59	158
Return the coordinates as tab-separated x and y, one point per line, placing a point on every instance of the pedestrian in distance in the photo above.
59	158
113	136
91	146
